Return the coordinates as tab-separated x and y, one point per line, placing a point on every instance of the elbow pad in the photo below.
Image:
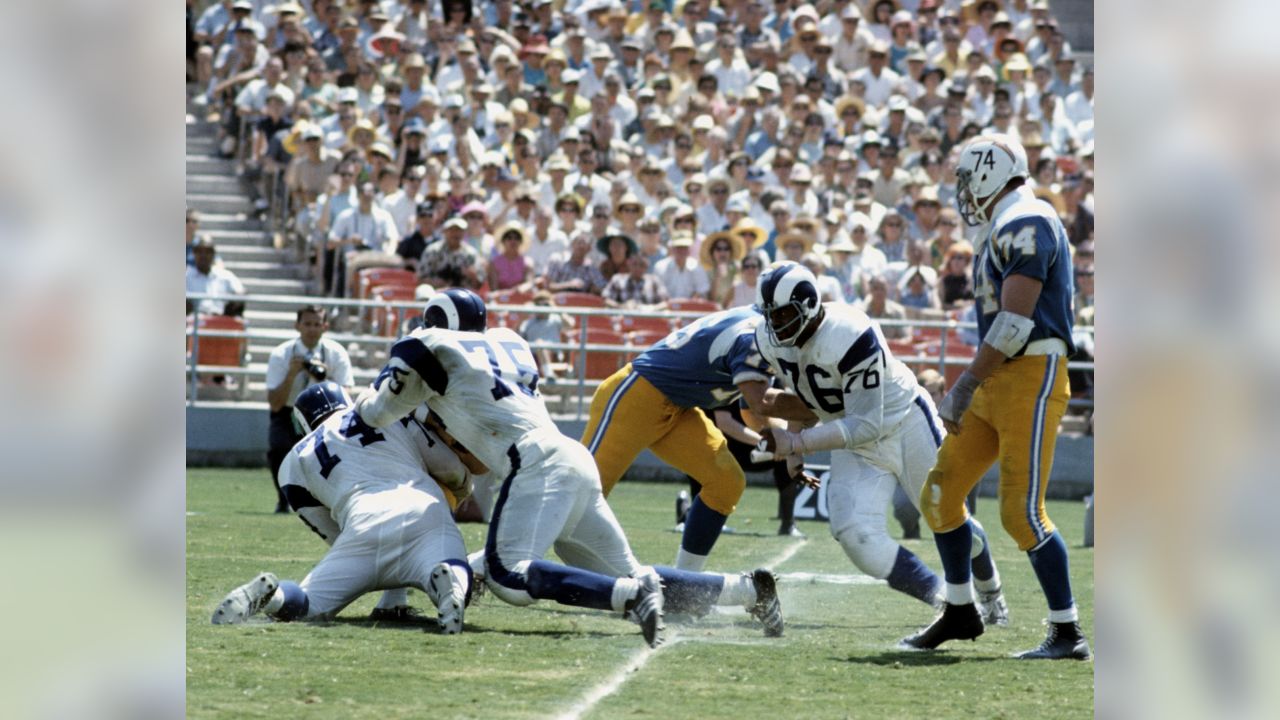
1009	333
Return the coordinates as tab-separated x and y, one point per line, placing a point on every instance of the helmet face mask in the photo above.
788	298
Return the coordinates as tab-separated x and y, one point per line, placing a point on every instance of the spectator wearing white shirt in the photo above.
711	216
365	227
1079	104
730	69
206	278
880	82
680	272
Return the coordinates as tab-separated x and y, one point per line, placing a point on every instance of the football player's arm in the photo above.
411	376
730	426
774	402
1019	297
310	511
442	464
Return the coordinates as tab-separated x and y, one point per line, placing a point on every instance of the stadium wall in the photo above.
236	436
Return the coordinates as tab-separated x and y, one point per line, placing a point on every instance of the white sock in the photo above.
624	591
689	561
989	585
393	598
960	594
275	603
1069	615
737	590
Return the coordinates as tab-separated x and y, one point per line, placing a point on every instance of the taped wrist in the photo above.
827	436
1009	333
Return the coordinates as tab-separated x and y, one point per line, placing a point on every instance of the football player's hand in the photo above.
957	401
778	441
795	468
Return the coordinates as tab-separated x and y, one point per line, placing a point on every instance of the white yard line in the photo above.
785	555
616	680
641	658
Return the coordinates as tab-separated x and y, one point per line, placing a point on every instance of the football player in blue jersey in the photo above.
657	402
1007	404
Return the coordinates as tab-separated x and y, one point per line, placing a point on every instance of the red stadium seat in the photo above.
578	299
631	324
221	351
693	305
647	338
386	321
369	278
510	297
599	364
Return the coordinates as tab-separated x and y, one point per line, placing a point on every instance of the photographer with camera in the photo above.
294	365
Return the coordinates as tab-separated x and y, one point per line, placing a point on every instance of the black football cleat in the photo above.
957	622
1065	641
397	614
767	608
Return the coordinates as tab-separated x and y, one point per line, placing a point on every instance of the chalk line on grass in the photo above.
615	681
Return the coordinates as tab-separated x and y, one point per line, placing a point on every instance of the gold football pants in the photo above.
628	414
1013	419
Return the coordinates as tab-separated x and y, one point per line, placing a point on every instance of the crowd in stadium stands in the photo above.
646	150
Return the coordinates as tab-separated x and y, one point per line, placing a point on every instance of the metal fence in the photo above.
356	327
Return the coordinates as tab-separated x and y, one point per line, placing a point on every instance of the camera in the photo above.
317	369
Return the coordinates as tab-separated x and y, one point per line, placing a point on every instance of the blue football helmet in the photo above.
456	309
787	296
318	402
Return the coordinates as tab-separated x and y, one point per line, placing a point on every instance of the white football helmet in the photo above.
984	167
787	286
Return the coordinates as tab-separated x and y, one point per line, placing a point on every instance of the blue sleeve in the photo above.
1027	246
746	359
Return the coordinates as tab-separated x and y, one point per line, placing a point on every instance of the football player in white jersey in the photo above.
376	496
483	388
880	426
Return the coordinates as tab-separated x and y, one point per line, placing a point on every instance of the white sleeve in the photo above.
341	225
412	376
277	367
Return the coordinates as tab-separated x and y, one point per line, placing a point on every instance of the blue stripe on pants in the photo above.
1037	439
500	574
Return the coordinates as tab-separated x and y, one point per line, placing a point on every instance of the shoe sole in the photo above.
450	608
767	584
258	591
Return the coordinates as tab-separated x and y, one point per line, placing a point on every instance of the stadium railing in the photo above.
940	346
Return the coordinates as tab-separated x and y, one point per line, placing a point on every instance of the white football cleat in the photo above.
246	600
993	608
450	598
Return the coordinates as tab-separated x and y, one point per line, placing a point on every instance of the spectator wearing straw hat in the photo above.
510	269
719	255
793	243
452	262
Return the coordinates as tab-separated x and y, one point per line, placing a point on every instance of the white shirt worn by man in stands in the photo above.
365	226
681	273
205	278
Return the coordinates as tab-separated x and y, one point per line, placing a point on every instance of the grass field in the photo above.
836	660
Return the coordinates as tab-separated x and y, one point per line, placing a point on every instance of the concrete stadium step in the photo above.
201	129
266	270
231	203
250	240
209	164
230	222
222	184
202	145
265	286
274	319
235	252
